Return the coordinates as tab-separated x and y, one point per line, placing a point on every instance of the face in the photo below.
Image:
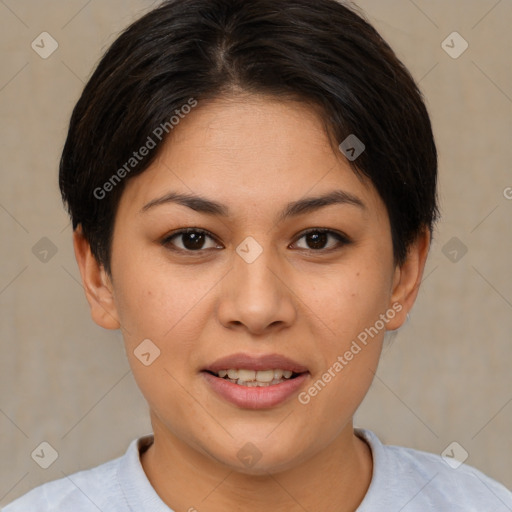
264	280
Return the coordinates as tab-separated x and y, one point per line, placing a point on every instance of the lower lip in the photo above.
263	397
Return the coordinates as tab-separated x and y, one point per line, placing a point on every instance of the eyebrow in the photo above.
293	209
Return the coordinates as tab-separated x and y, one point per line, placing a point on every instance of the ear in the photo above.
97	284
407	279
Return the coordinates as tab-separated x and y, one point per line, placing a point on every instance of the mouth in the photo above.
253	378
255	382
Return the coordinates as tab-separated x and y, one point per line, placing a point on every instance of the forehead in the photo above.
248	151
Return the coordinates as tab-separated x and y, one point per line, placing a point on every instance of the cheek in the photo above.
155	302
350	301
348	298
346	361
161	306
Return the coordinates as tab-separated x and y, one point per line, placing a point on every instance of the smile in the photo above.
253	378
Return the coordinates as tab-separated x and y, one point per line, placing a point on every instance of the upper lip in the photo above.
256	362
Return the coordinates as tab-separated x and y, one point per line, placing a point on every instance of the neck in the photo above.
335	479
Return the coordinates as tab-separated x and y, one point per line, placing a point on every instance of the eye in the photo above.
196	240
317	239
189	240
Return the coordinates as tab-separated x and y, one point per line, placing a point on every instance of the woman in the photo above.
252	186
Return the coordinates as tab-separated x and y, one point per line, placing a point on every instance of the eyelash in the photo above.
342	239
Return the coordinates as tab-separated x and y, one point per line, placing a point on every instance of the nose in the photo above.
257	296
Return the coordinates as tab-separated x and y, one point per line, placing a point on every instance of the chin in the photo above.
257	455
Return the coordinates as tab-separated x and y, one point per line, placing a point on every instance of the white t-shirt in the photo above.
403	480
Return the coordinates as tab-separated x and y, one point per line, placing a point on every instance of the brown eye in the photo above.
189	240
318	239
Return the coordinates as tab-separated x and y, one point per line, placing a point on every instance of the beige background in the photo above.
447	375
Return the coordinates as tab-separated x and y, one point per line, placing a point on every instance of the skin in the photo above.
307	302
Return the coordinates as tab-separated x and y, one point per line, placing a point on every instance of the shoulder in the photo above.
89	490
116	486
419	481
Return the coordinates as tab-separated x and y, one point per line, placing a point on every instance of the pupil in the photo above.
318	240
196	240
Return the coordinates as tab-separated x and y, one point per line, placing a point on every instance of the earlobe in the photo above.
407	279
96	283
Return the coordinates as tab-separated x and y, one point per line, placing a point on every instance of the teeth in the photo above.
278	374
262	376
253	378
256	384
246	375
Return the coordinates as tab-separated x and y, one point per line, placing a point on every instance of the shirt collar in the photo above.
139	493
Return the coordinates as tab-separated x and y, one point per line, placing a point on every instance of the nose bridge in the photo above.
256	283
254	293
254	268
